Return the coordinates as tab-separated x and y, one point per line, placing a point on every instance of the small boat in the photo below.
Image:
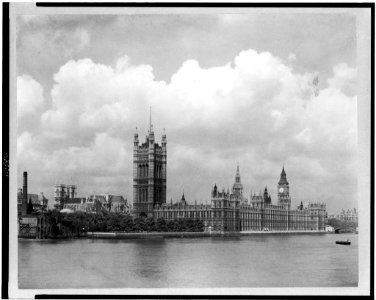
343	242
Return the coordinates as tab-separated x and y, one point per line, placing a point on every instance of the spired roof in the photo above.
237	183
283	179
182	201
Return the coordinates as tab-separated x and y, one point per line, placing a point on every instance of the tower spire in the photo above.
237	176
237	187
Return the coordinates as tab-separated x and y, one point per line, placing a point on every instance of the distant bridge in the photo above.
344	230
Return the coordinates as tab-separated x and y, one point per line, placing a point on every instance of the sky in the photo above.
264	90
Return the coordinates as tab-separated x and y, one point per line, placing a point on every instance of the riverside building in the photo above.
149	173
228	211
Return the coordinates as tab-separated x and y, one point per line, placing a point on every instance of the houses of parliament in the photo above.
228	211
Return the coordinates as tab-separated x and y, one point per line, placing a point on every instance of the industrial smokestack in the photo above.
24	194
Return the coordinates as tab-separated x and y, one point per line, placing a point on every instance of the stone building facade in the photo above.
227	211
63	194
97	203
230	212
149	174
348	215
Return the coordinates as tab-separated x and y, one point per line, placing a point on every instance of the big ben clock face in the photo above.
281	190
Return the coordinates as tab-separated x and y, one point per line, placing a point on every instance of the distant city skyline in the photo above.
262	90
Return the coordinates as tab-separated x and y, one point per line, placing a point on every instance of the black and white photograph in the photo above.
189	150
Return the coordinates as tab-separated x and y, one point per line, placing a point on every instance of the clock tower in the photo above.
283	191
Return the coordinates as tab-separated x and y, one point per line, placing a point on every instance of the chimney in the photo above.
24	194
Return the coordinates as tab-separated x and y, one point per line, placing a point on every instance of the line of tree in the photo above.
79	222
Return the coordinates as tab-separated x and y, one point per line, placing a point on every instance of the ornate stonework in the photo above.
149	174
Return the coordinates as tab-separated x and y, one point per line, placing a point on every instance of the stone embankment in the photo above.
283	232
155	235
145	235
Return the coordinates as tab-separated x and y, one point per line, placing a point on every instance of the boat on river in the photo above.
343	242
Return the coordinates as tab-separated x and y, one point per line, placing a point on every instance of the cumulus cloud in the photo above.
254	110
29	95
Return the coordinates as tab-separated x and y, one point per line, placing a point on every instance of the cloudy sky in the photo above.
258	89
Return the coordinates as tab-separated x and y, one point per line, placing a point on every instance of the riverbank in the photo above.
161	235
151	235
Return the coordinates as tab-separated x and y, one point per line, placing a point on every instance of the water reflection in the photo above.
247	261
149	259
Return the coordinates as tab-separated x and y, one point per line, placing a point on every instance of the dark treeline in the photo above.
113	222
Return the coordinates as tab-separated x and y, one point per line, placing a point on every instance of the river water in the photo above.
246	261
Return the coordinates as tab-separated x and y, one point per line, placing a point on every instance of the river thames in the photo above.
267	260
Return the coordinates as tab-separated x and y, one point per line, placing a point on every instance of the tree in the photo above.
161	225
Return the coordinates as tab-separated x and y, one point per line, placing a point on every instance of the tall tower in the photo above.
61	195
237	187
71	191
284	198
149	173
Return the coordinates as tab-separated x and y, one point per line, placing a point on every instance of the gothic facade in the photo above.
149	174
231	212
227	211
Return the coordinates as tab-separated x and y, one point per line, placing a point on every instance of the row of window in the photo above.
218	204
184	214
143	195
143	171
